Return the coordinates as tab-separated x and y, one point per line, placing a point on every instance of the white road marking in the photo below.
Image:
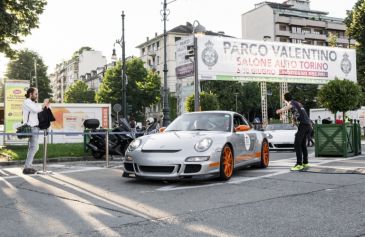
274	165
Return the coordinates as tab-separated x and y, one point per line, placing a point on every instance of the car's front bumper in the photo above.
170	166
273	145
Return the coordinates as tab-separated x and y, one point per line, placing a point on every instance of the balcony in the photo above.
332	26
315	23
316	36
282	19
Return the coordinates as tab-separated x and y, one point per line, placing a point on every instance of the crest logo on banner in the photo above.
346	64
209	55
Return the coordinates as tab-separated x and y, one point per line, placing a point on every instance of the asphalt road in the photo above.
87	199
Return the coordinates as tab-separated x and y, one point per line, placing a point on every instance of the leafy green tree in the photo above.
306	94
79	92
110	91
17	19
22	67
332	40
208	101
143	87
355	22
248	97
340	95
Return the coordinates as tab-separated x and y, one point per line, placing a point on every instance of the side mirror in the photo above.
162	129
242	128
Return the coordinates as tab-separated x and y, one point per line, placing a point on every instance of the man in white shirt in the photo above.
30	117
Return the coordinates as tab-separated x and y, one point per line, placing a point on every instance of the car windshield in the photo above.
285	126
201	122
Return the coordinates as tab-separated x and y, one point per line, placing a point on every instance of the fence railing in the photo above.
87	133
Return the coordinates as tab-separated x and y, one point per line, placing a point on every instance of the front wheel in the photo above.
226	163
265	155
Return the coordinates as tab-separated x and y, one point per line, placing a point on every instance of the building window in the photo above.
318	32
296	29
282	27
177	38
143	51
281	39
158	60
306	31
296	41
157	45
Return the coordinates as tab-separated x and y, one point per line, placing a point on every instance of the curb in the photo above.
49	160
331	170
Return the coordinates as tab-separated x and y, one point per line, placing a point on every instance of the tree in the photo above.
22	67
332	40
143	88
340	95
79	92
306	94
17	19
355	22
248	98
208	101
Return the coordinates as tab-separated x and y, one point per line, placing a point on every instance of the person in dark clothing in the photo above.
301	119
310	141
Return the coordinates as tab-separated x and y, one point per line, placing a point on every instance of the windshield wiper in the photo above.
200	129
173	130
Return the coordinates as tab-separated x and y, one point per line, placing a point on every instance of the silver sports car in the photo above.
198	144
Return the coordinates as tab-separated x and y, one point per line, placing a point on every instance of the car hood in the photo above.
283	135
178	140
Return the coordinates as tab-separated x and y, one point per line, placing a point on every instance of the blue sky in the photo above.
67	25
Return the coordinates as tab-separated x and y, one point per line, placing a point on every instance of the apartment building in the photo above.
293	21
152	53
69	71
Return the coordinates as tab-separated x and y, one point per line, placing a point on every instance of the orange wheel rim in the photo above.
227	162
265	155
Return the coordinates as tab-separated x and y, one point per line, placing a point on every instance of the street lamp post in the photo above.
121	42
236	94
165	109
35	73
196	29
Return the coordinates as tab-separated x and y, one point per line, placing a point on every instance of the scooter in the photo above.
118	143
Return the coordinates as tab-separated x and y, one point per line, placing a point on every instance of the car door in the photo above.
245	141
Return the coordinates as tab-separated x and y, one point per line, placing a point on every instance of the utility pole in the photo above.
166	108
35	73
123	71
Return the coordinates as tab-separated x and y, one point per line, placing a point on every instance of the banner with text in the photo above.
222	58
14	97
184	67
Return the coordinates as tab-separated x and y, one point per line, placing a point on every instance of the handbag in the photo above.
25	128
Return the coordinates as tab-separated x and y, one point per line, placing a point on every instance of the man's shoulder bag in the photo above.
24	128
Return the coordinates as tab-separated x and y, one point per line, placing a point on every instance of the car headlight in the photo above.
203	145
197	158
134	144
269	136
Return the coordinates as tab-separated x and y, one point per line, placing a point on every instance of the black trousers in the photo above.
300	143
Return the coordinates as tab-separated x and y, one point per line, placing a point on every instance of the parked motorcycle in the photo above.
118	143
152	126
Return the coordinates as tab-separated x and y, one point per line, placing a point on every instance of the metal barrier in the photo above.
86	133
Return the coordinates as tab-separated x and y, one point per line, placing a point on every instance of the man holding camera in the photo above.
30	117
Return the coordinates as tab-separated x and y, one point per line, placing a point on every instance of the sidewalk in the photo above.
337	165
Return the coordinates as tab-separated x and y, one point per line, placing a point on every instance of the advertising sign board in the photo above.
222	58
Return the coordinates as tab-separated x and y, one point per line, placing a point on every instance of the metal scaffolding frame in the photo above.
264	103
283	90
